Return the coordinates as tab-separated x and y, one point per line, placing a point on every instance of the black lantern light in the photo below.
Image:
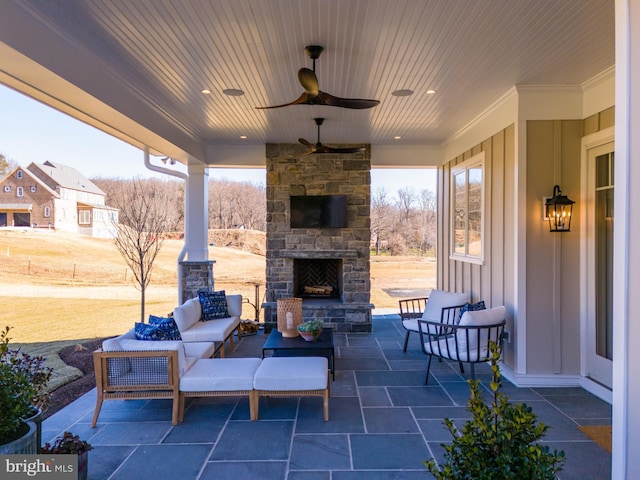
558	210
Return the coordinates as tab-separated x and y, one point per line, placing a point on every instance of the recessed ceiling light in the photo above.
430	92
397	137
402	93
243	136
205	91
233	92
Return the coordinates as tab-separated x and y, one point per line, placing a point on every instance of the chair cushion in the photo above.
292	373
438	300
214	305
478	318
411	324
448	349
167	325
220	375
187	314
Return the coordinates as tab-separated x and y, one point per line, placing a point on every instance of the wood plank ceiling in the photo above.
470	52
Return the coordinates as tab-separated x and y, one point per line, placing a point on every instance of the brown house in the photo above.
51	195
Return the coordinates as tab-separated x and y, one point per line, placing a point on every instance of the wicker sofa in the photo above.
128	368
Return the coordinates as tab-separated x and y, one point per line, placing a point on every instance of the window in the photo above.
33	189
47	211
84	217
7	188
467	203
19	174
20	191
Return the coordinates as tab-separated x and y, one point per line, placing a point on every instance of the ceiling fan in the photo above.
312	94
318	147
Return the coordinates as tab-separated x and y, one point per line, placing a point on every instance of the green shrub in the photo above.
16	393
501	440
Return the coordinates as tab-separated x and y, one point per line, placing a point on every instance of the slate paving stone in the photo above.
244	470
320	452
276	434
389	420
388	451
374	397
151	462
131	433
418	396
389	378
345	416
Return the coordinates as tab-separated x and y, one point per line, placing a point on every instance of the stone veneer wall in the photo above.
196	276
344	174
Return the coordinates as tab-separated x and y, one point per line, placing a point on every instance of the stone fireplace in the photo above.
327	267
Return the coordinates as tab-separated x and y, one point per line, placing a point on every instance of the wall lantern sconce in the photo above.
558	210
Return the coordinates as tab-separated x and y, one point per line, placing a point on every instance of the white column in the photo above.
626	282
196	221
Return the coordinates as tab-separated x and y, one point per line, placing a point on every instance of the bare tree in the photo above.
145	211
381	217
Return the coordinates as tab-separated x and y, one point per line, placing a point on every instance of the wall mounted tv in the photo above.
319	211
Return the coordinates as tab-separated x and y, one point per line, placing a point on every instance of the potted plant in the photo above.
310	330
17	436
501	440
70	444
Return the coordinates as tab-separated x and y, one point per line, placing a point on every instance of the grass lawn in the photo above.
58	289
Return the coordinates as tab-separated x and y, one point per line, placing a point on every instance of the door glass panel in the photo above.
604	256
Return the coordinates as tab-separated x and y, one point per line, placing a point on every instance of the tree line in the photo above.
401	224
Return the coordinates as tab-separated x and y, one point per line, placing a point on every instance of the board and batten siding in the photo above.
494	280
552	259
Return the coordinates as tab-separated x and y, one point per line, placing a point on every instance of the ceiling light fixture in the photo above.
430	92
205	91
397	137
233	92
243	136
402	93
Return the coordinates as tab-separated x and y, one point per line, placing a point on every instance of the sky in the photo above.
33	132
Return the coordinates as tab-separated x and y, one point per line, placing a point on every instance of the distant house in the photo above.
51	195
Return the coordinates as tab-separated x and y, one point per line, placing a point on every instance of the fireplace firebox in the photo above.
317	278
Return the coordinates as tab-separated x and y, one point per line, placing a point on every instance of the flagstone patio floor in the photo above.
384	422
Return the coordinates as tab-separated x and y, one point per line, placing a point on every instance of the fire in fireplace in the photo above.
317	278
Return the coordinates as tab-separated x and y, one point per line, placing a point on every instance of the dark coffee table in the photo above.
298	347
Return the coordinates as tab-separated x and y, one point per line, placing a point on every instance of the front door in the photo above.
600	259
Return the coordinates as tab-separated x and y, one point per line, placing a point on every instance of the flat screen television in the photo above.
319	211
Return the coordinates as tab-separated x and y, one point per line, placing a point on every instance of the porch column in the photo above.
196	221
626	281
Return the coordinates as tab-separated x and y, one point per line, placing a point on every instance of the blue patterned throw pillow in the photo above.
471	307
214	305
144	331
167	325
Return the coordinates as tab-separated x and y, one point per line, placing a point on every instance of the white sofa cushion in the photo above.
220	374
199	349
212	331
128	345
478	318
187	314
234	305
292	373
